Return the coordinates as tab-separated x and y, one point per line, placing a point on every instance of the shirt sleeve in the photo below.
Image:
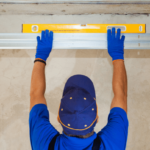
114	135
41	131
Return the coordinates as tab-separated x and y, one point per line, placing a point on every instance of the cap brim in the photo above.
80	81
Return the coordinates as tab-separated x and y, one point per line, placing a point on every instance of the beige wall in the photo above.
76	9
15	77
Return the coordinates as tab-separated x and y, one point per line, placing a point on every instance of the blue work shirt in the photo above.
113	136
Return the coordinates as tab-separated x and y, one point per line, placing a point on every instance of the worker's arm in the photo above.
41	130
114	135
38	83
119	85
116	51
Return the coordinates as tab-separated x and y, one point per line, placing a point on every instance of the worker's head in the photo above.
78	113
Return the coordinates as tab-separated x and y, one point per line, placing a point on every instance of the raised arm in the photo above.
116	51
119	85
38	83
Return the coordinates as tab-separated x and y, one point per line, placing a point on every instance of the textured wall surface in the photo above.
74	1
73	9
15	77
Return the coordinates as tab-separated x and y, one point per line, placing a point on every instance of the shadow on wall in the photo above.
74	53
30	53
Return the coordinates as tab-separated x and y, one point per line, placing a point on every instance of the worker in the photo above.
78	110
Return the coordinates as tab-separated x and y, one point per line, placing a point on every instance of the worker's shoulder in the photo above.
118	111
115	130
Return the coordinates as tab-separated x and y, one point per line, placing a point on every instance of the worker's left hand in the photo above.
44	46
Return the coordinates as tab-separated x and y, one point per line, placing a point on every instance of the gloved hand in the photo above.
115	44
44	46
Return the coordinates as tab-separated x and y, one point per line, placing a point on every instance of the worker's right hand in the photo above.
115	44
44	46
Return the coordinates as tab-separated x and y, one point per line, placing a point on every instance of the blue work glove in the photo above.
115	44
44	46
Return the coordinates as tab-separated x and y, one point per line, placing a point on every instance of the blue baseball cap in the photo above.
78	108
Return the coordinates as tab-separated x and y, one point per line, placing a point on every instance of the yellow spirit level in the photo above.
83	28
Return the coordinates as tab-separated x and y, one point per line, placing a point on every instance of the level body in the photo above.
83	28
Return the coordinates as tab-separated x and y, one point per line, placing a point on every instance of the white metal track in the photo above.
72	41
75	1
